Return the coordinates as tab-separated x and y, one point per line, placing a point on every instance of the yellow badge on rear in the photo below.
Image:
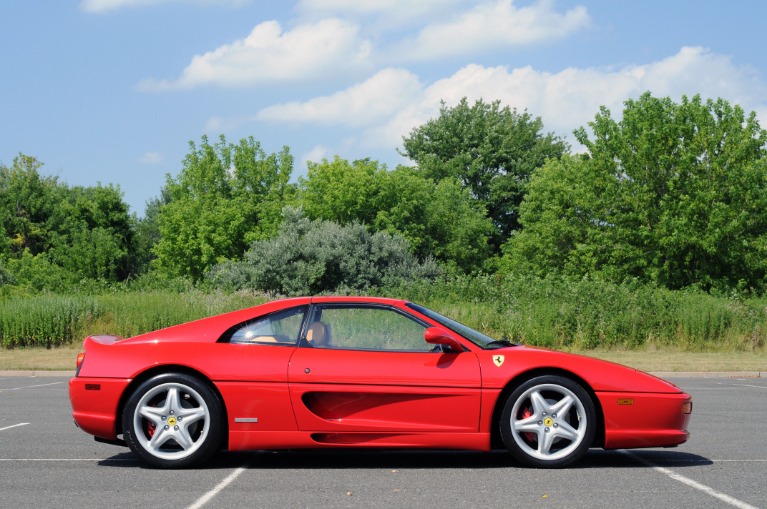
498	360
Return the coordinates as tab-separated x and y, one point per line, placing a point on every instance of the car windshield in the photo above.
475	337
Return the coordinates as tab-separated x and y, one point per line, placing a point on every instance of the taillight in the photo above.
80	360
687	407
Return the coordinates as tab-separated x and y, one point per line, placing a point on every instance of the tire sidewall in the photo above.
212	439
591	422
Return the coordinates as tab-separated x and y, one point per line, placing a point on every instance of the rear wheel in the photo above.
548	422
172	421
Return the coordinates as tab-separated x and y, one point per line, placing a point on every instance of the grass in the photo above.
646	327
695	362
63	358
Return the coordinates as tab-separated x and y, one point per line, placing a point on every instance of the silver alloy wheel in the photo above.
171	421
548	422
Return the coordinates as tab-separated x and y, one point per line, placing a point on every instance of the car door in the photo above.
375	372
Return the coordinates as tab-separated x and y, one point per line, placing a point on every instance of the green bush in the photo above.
310	257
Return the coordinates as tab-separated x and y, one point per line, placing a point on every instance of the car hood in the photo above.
601	376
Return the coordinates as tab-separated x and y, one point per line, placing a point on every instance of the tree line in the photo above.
672	194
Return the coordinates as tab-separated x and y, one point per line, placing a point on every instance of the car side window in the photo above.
365	328
282	328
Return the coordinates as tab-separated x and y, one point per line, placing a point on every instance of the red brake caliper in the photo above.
530	437
150	427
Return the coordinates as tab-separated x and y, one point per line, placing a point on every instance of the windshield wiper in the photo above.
500	343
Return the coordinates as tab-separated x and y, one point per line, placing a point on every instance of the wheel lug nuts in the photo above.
179	418
163	417
547	430
540	423
556	425
554	416
175	428
171	412
167	427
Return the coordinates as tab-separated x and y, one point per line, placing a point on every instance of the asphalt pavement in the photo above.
46	461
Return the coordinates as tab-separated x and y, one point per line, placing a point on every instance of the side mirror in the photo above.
439	336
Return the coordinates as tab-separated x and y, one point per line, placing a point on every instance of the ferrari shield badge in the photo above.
498	360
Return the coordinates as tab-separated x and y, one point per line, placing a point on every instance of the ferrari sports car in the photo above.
360	372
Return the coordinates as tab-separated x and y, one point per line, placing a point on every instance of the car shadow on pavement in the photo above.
411	459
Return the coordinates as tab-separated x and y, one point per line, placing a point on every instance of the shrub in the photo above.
310	257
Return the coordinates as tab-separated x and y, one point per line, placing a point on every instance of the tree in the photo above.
490	150
54	235
439	220
27	201
673	193
225	196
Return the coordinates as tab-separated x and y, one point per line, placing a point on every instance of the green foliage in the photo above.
549	312
48	320
225	196
54	235
437	219
674	194
43	320
492	151
586	314
310	257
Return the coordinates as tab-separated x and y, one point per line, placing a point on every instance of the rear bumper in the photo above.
95	402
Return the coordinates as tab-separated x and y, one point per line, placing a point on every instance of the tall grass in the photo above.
45	320
555	313
593	314
53	320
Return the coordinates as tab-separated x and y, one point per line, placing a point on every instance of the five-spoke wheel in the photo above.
548	421
173	420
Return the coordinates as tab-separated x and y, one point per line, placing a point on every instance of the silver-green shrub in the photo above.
311	257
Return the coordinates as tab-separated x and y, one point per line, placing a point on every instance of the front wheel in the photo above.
173	421
548	422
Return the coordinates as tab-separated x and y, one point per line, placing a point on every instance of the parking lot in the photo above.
46	461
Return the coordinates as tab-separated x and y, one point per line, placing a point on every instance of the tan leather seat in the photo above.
318	334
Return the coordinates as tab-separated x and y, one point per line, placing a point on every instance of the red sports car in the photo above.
360	372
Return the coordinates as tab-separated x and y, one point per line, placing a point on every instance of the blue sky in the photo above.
112	91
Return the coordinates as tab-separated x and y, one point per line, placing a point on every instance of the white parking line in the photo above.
693	484
67	459
749	385
14	426
215	491
30	386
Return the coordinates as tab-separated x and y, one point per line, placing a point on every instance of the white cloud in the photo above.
315	155
570	98
493	25
320	50
564	100
99	6
371	101
151	158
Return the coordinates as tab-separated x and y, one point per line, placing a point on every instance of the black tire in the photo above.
548	422
173	420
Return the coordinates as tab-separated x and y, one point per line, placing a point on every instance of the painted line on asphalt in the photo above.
30	386
14	426
215	491
67	459
692	484
749	385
